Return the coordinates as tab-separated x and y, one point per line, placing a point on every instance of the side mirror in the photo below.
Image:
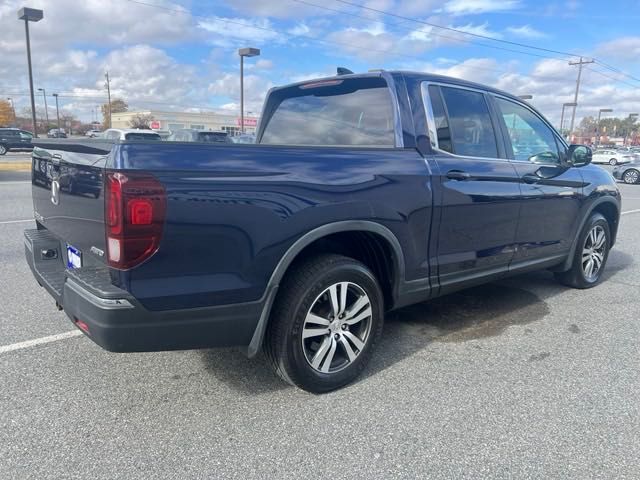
579	155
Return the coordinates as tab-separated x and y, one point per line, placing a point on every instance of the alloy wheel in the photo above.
593	253
3	150
337	327
631	176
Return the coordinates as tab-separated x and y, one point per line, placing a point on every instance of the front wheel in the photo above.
590	258
631	176
613	162
3	149
326	321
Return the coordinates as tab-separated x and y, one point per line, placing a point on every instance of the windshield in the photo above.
356	112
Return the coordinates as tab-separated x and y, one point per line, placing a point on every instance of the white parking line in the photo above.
631	211
39	341
15	182
17	221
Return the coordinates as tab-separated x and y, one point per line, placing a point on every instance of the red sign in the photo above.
248	122
155	125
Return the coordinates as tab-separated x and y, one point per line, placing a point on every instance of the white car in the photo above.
612	157
130	134
93	133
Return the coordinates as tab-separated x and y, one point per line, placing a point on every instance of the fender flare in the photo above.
303	242
568	263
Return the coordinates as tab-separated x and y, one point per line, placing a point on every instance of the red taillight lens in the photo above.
135	209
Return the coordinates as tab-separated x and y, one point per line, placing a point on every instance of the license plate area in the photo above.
74	257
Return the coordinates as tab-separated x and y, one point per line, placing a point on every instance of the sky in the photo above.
182	55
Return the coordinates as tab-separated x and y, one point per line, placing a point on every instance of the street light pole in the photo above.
30	15
57	111
600	112
244	52
106	75
46	109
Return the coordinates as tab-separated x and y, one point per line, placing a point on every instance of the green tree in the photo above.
117	105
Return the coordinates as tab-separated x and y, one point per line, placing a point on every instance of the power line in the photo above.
455	39
486	37
452	29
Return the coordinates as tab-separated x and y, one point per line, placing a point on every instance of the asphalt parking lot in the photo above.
518	379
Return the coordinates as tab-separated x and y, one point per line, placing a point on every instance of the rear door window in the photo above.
349	112
472	132
142	136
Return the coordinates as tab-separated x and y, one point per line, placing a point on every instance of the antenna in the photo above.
344	71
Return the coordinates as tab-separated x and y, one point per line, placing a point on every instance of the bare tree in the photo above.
141	121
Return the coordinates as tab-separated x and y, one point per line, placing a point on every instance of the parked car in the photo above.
612	157
364	193
164	134
628	173
14	139
93	133
244	138
192	135
56	133
130	134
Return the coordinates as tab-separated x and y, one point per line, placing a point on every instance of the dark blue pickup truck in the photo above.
363	194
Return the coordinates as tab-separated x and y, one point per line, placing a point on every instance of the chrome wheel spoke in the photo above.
365	314
333	294
355	340
313	318
347	348
599	239
321	353
357	306
326	365
589	267
314	332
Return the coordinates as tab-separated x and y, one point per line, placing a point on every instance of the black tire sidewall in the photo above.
6	149
299	368
613	162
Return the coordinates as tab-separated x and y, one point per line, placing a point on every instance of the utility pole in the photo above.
575	97
106	75
57	111
46	109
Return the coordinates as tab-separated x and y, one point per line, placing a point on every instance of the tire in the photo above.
613	162
578	276
3	149
631	176
321	362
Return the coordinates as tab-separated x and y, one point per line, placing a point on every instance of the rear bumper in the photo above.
118	322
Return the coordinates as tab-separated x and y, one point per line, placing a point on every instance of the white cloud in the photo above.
228	86
264	64
479	30
226	32
299	29
275	8
468	7
623	48
526	31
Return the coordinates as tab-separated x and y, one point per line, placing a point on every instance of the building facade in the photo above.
164	120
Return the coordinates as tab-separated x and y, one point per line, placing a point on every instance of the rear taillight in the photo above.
135	209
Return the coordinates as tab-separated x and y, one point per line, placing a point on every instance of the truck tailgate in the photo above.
68	195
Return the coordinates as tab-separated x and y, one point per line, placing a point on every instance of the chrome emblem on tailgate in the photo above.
55	192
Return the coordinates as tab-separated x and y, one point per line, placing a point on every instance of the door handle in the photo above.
458	175
531	178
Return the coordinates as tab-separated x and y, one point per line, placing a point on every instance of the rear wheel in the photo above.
325	323
3	149
590	258
613	162
631	176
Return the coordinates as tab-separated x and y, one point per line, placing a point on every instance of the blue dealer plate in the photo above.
74	257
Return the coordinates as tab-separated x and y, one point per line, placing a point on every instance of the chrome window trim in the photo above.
433	135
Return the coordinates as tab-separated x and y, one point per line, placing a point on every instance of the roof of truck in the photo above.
423	76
